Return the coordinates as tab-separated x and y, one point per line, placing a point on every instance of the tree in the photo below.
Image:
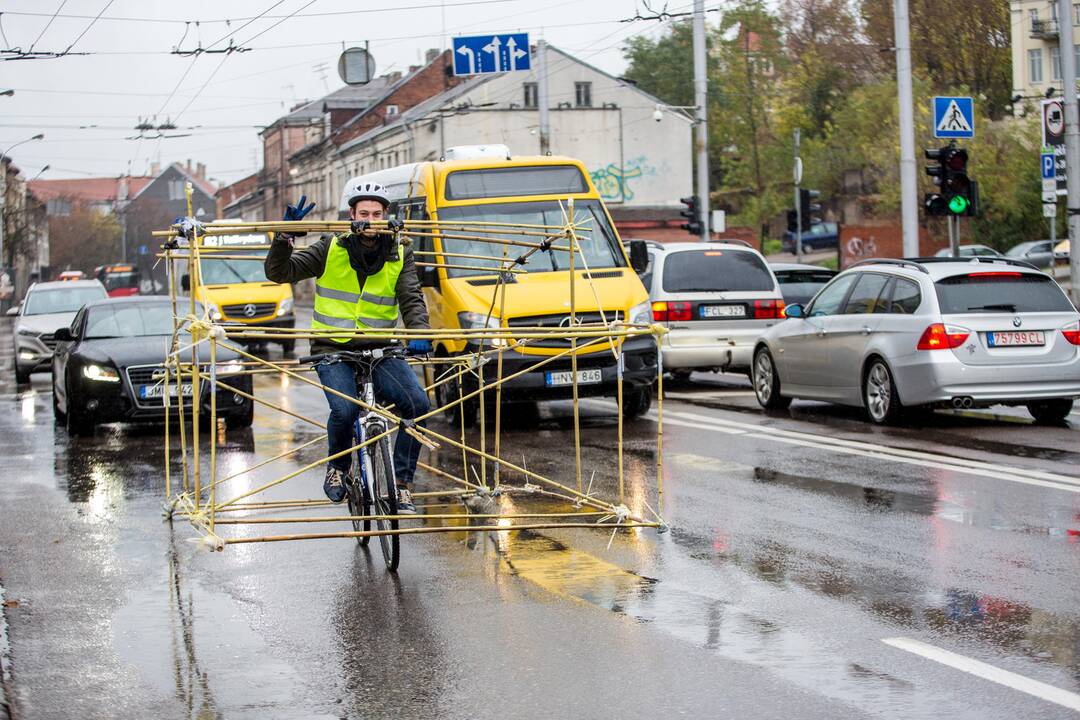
953	43
83	239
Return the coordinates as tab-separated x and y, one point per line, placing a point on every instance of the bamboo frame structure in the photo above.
203	492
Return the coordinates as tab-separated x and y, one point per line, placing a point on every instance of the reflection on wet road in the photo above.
798	542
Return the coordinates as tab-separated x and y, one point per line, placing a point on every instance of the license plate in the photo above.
147	392
584	377
714	311
1010	338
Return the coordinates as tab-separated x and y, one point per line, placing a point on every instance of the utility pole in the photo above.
909	210
798	199
701	84
542	96
1072	144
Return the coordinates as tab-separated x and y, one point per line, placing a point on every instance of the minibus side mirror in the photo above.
185	282
639	256
429	277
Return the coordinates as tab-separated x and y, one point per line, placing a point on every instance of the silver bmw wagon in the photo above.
938	332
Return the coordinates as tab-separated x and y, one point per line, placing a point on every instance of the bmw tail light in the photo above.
942	337
1072	333
769	309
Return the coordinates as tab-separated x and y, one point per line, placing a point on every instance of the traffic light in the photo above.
957	194
692	213
811	211
792	221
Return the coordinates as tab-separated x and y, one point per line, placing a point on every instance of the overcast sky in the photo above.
131	72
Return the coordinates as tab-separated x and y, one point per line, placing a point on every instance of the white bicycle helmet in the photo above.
369	191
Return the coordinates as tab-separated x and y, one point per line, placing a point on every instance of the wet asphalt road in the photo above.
799	542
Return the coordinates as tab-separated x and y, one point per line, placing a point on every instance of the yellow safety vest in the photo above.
340	302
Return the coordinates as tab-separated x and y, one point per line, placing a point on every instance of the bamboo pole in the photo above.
213	428
425	517
438	529
196	396
573	344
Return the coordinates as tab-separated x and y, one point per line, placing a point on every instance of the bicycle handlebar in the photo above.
393	351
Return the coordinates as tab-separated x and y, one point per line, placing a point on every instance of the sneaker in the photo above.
404	502
334	484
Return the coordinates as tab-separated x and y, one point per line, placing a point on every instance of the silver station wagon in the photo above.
896	334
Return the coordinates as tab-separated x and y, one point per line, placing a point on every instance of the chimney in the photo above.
122	189
187	166
413	68
155	169
200	171
393	77
431	54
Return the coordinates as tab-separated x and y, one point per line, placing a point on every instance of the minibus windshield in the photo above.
596	238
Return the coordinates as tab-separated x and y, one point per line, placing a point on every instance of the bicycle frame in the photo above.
369	424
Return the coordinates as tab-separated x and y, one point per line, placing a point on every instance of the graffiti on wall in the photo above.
614	182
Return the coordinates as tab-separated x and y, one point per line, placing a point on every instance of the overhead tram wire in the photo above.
87	28
47	25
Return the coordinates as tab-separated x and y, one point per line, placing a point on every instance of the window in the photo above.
1035	65
1034	15
531	95
1076	14
867	297
1001	292
59	206
391	110
829	299
716	271
507	182
906	297
1055	63
583	94
1053	10
176	189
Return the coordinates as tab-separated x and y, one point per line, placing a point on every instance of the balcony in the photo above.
1044	29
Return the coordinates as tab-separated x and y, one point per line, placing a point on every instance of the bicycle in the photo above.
373	485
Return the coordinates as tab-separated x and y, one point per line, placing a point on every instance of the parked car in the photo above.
1061	250
969	251
47	307
800	282
108	368
715	299
119	280
819	236
1039	253
895	334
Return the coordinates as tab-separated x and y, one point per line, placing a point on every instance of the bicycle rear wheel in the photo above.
384	492
359	498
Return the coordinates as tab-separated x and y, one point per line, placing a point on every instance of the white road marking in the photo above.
708	394
1024	684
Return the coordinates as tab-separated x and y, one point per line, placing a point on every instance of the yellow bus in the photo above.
485	183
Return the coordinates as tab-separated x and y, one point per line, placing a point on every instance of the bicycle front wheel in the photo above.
384	492
359	497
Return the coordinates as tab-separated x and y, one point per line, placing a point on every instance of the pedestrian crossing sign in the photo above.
954	117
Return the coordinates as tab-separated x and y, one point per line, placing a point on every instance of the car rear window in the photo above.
1000	292
716	271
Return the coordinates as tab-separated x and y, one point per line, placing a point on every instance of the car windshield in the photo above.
998	292
129	320
716	271
599	248
228	272
61	300
117	280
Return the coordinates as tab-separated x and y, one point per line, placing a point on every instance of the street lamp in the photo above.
7	93
3	188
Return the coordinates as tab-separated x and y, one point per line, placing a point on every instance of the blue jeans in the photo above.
394	383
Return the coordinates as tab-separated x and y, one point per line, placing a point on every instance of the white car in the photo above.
47	307
715	299
938	332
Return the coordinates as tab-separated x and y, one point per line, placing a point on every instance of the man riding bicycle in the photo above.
363	280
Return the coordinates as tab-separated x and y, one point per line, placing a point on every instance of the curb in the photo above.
7	707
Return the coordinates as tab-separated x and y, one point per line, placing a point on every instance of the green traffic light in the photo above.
958	204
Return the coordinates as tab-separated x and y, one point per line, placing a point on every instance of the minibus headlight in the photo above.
285	307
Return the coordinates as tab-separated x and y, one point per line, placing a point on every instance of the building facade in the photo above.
1036	54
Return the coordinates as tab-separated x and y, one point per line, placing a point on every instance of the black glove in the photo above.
359	227
187	227
394	225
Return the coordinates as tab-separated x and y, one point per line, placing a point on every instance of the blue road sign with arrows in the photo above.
954	117
485	54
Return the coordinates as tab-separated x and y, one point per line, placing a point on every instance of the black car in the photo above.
819	236
799	283
107	367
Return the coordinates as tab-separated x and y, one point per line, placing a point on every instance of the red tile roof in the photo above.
87	189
